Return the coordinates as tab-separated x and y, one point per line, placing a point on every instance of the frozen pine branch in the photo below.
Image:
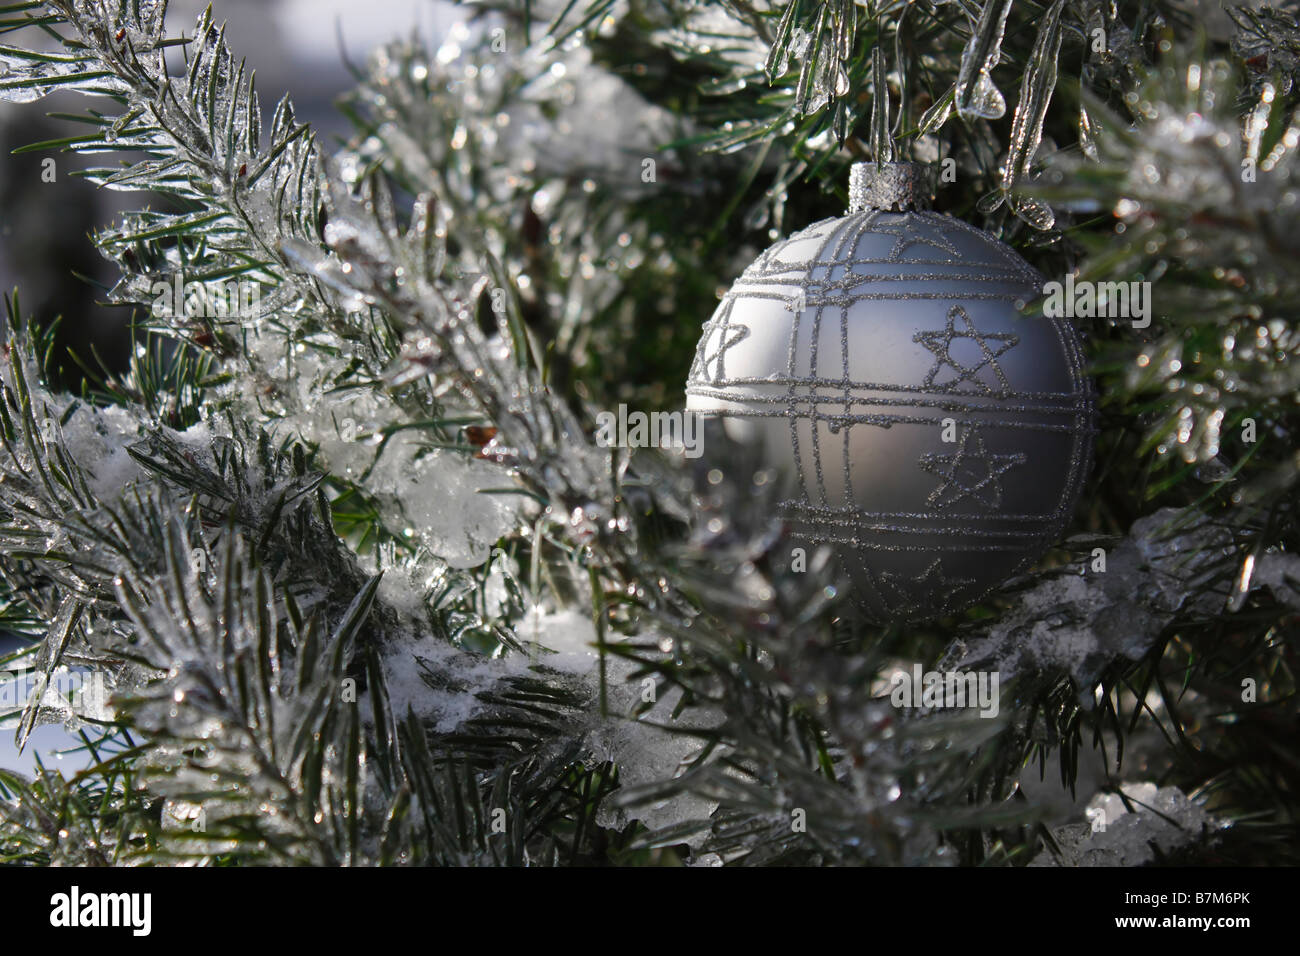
367	590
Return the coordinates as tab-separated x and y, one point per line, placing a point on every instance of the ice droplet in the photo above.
1087	134
1035	212
758	215
799	43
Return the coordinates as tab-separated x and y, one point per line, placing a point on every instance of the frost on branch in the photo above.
1144	825
1079	623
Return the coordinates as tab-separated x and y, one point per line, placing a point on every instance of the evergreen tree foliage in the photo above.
337	553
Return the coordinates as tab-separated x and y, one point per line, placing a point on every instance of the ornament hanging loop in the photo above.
889	187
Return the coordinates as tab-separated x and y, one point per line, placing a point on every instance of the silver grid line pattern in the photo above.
945	272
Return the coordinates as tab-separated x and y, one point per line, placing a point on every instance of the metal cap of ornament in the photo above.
890	187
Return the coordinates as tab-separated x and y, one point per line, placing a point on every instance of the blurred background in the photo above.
299	47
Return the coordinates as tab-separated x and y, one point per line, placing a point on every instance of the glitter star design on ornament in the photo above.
940	342
972	471
918	594
912	231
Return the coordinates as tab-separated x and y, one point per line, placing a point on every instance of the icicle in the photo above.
1027	126
36	80
882	146
778	57
938	113
977	97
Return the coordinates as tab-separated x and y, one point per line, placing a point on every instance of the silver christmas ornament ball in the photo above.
933	435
